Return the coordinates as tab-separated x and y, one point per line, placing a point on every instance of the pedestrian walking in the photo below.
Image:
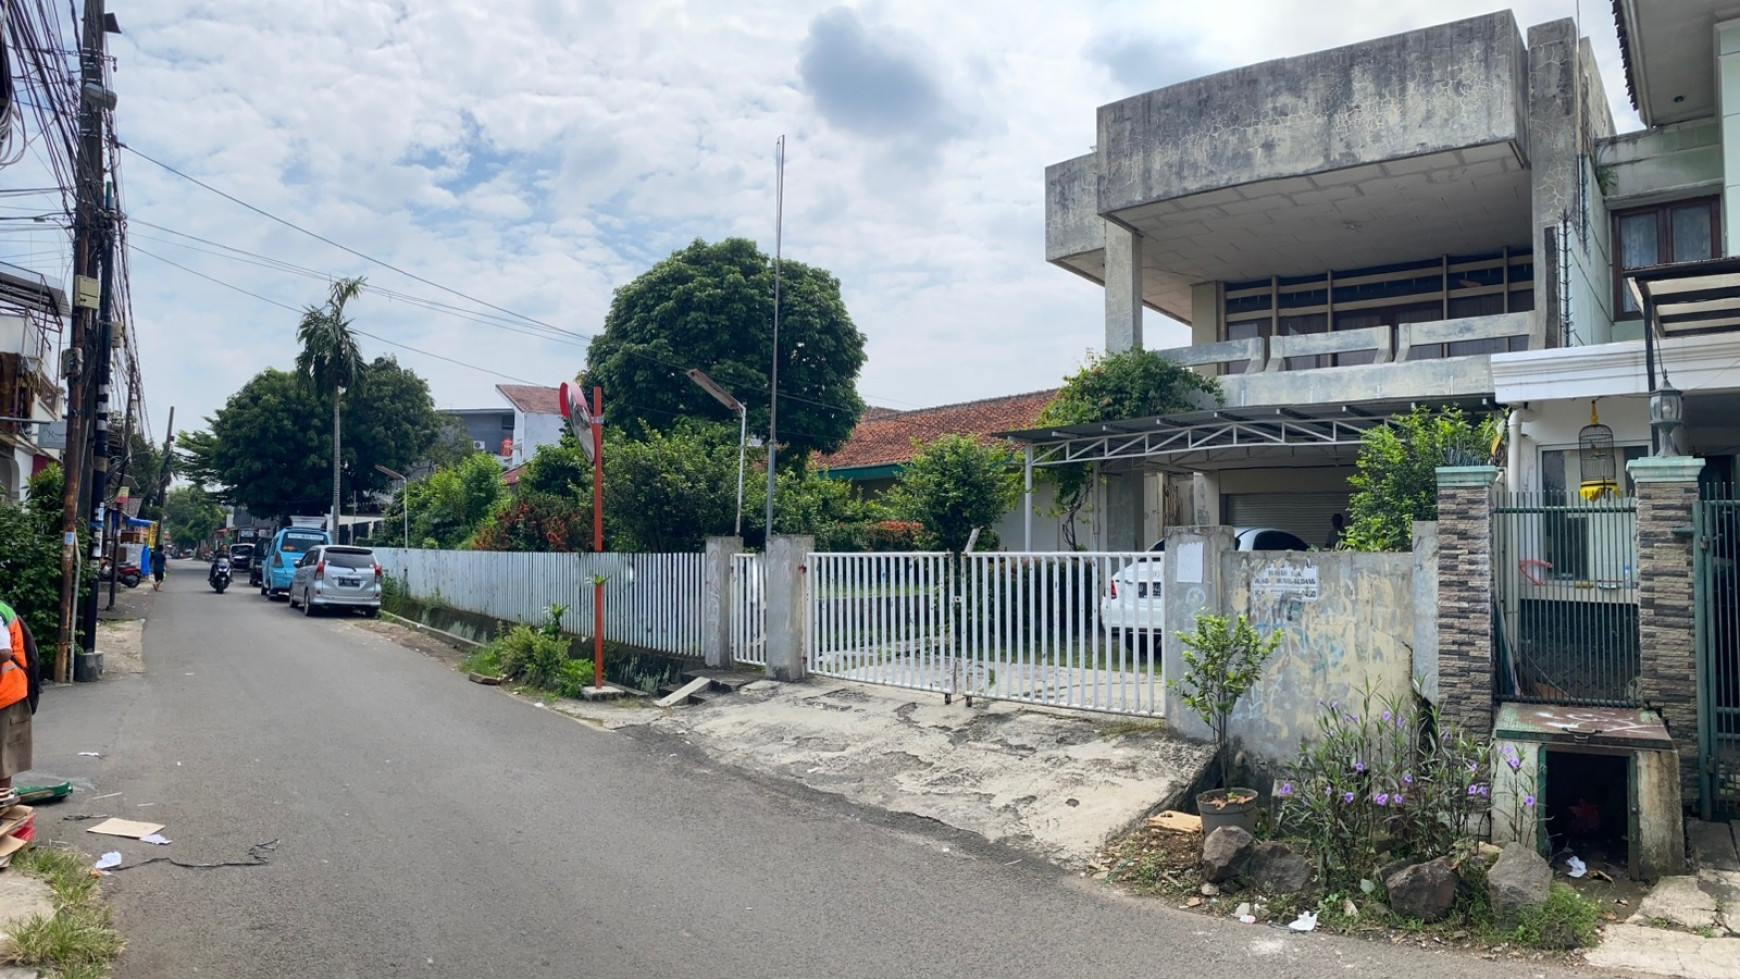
158	560
20	687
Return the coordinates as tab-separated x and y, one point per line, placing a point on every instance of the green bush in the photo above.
484	661
30	552
1564	922
533	657
576	675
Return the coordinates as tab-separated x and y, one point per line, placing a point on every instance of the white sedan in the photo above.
1131	607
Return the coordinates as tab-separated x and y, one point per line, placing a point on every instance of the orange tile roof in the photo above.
532	399
885	438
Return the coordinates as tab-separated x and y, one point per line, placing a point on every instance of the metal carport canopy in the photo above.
1227	438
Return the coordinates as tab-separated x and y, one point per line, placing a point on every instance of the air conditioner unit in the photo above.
477	445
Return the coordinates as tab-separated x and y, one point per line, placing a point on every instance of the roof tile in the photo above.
885	438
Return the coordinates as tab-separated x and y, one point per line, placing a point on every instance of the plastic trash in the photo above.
110	859
1307	921
90	754
1577	867
156	838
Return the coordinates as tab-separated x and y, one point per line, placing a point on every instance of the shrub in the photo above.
1565	921
1397	481
894	535
1222	662
533	657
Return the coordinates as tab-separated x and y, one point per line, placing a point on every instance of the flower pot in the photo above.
1227	807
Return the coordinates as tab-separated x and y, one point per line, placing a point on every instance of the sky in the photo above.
537	154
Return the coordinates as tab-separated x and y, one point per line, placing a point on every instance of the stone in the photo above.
1679	901
1226	853
1276	869
1210	890
1424	890
1519	880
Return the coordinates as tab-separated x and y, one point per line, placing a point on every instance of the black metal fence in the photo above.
1565	582
1716	592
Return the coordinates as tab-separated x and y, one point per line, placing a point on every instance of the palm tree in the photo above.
331	361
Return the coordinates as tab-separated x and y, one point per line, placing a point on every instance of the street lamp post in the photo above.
405	493
720	395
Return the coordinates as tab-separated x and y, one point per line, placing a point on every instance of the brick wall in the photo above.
1465	661
1668	664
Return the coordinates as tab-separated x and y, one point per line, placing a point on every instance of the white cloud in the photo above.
539	153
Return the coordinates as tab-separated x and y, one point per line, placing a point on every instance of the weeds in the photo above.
79	940
1565	921
1123	729
484	661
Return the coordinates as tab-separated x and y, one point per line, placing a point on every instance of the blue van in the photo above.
278	563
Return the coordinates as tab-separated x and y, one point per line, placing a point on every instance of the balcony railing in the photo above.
1372	345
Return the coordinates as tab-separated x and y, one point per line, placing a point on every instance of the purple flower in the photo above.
1407	780
1353	718
1396	799
1479	790
1510	749
1359	766
1474	790
1348	797
1382	799
1388	716
1514	763
1528	802
1473	767
1286	789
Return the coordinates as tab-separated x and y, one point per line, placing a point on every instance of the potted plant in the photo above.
1223	660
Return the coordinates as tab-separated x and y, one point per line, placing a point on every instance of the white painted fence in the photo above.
653	601
1078	630
748	610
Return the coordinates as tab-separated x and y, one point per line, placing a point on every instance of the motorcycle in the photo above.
131	574
220	576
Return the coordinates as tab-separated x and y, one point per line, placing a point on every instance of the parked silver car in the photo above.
337	576
1131	607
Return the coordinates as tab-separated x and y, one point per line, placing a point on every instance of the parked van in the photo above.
278	563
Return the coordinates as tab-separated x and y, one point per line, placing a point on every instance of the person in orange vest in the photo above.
20	687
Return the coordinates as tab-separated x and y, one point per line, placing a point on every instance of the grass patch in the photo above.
1123	729
79	940
484	661
1566	921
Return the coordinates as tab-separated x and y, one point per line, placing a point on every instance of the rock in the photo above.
1226	853
1209	890
1424	890
1519	880
1275	869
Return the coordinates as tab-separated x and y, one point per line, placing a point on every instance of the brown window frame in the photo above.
1664	241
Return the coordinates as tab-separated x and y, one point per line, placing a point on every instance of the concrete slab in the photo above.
1051	782
1680	902
122	643
682	694
22	898
1639	948
1713	845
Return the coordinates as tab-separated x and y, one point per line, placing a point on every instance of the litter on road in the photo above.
89	754
156	838
110	859
130	828
1307	922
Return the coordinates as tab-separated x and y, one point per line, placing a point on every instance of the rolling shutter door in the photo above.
1305	514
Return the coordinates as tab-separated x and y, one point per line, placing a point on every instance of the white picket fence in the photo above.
653	601
1038	628
748	610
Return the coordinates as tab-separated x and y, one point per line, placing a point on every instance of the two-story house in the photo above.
514	434
1443	217
31	315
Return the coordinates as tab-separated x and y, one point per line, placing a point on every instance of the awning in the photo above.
1689	297
1227	438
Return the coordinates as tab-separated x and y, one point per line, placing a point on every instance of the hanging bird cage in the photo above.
1598	459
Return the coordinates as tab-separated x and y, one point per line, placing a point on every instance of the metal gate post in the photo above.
1705	661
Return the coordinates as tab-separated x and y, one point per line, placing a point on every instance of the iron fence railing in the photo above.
1716	595
1565	578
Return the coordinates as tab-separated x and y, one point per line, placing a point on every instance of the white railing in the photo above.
748	610
1038	628
652	601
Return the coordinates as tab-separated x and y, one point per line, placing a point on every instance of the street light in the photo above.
405	491
720	395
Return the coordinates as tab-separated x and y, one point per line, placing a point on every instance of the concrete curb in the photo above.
457	641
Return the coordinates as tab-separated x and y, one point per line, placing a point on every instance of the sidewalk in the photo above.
1058	784
1688	926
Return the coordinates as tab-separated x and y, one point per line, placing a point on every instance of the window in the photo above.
1683	231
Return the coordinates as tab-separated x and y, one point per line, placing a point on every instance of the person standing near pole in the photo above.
20	687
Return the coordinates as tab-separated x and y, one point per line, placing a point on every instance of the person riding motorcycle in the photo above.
221	558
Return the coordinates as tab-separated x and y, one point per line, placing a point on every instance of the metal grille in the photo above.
1565	576
1716	580
748	610
883	618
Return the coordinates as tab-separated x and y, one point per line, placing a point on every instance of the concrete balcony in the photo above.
1409	363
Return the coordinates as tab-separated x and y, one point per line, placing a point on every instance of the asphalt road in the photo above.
426	826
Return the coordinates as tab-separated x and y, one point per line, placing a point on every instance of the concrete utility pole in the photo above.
88	665
773	374
88	231
121	480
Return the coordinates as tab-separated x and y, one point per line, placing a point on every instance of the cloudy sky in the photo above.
536	154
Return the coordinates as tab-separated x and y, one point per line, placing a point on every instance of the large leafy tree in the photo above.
30	573
953	485
191	515
449	506
669	491
330	360
267	449
1133	384
1397	481
710	306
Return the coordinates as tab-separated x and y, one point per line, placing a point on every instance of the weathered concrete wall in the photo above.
1440	88
787	607
1346	622
1447	378
1425	594
1667	162
1072	216
1191	583
716	608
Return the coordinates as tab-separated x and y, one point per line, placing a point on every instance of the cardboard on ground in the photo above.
13	818
9	848
125	827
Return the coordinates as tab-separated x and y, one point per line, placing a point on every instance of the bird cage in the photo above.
1597	459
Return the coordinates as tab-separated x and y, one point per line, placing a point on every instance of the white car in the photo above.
1131	607
337	577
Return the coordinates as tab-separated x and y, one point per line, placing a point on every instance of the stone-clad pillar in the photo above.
1465	592
1667	667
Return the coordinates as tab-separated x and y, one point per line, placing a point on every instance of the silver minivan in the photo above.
337	576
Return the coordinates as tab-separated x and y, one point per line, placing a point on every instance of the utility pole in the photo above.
121	480
773	396
158	494
87	232
88	666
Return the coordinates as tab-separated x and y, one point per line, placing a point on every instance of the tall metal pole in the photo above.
778	272
337	393
598	536
120	479
742	450
90	196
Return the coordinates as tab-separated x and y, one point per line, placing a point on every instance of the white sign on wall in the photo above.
1285	581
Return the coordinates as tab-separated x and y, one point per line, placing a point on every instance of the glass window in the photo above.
348	558
1692	238
1684	231
297	543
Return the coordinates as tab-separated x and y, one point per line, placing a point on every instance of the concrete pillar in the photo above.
717	608
1123	289
1425	587
1667	668
1190	585
787	605
1124	512
1728	106
1465	661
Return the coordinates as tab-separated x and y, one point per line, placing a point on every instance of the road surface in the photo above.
426	826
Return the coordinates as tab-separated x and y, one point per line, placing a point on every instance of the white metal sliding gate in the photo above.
1077	630
748	610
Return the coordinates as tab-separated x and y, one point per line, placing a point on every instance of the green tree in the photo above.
559	470
191	516
1133	384
1397	481
668	491
265	449
537	522
953	485
833	511
30	551
330	360
711	306
453	503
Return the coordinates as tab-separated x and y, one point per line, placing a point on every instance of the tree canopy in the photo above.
953	485
1397	481
710	306
269	448
191	516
